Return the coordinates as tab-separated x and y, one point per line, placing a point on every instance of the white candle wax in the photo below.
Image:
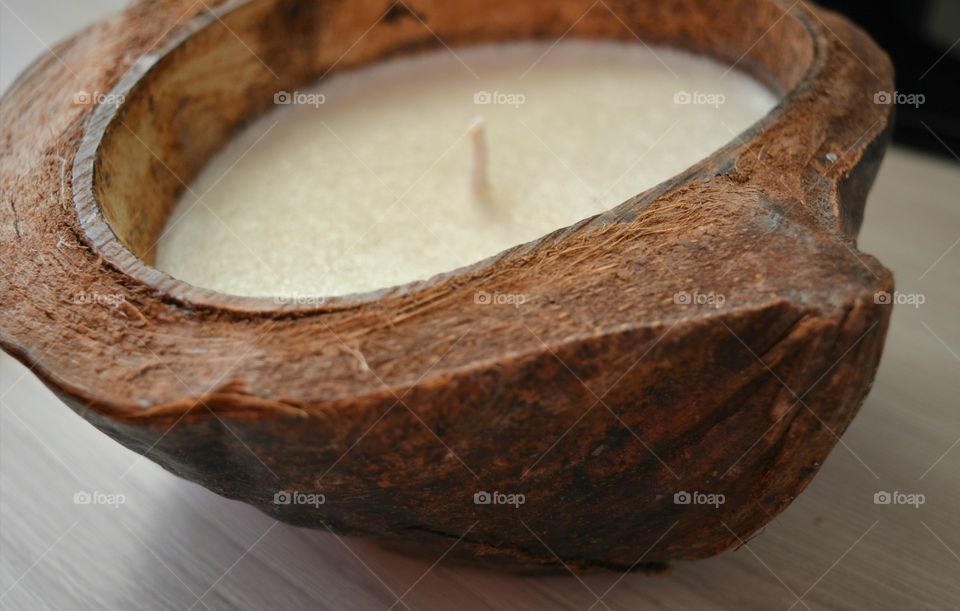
380	184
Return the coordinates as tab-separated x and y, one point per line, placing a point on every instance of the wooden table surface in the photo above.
174	545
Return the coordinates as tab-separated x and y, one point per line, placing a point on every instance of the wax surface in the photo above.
372	188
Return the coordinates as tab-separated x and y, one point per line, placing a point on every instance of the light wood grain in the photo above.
172	542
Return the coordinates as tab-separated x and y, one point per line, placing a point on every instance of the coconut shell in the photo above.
711	336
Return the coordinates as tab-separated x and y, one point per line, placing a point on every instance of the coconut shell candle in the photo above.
653	381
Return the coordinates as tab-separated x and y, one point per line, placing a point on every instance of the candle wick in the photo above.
480	179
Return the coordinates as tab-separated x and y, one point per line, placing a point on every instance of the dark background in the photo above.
922	37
